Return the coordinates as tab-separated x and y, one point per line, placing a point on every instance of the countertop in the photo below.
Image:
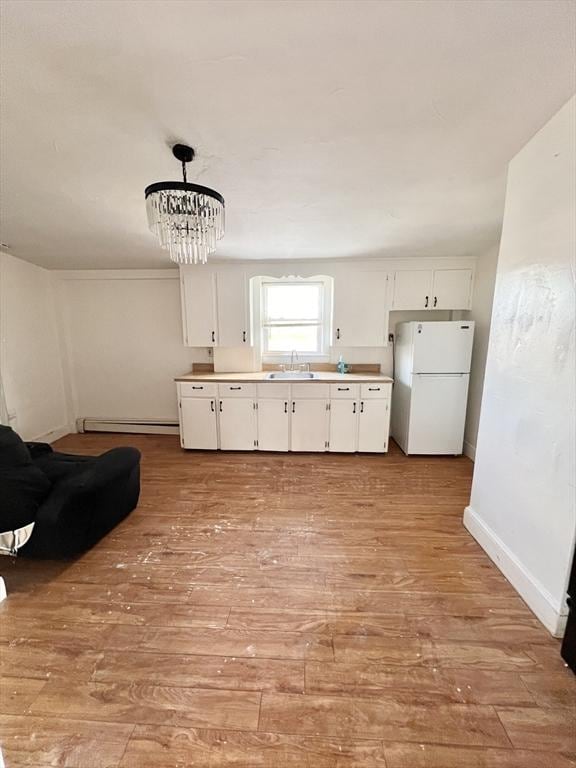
327	377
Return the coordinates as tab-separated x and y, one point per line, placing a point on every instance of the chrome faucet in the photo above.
292	355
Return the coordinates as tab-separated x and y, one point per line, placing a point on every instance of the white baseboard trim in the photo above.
537	597
135	426
54	434
470	450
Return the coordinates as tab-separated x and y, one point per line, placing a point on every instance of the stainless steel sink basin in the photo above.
292	375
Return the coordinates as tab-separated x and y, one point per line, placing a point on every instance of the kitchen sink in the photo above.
292	375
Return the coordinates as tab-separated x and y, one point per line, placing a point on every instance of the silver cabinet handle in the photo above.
285	407
373	389
232	388
212	406
193	387
354	408
293	407
244	336
362	407
220	406
343	389
435	300
213	335
337	333
426	302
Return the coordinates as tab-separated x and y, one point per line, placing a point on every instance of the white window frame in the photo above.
325	325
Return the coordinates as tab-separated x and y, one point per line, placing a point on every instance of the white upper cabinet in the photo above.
432	289
233	309
360	309
216	306
452	289
198	289
412	289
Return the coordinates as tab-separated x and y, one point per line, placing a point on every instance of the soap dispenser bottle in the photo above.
341	367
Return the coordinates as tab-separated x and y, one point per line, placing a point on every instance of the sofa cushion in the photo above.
23	487
22	491
58	465
13	450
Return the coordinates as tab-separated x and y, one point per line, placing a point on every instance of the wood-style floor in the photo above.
311	611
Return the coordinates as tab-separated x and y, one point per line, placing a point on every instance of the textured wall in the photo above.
522	505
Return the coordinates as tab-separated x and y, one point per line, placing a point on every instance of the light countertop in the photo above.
258	377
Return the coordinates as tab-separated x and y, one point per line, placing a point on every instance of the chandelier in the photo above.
187	219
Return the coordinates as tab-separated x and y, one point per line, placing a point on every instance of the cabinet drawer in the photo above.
276	391
198	389
309	391
346	391
376	391
239	389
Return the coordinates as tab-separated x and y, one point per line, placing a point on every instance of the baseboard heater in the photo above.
137	426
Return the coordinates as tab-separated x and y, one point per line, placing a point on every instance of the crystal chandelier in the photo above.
187	219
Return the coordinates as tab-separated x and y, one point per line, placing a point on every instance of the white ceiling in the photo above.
333	129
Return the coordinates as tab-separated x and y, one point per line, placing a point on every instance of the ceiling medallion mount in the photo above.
187	219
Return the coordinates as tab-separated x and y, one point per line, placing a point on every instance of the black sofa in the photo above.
73	501
569	642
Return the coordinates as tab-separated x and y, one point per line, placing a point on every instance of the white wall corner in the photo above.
538	599
54	434
469	450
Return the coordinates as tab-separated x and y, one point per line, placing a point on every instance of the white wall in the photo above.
31	373
481	313
124	342
522	507
123	333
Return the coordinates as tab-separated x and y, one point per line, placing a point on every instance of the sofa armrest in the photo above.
85	504
39	449
99	472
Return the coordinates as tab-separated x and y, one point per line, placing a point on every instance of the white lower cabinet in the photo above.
373	426
237	417
309	424
281	417
198	426
359	426
343	426
273	424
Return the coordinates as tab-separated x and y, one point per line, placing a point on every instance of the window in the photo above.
295	315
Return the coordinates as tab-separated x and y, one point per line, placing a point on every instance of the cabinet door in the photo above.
374	426
273	424
412	289
360	309
452	289
232	301
237	424
198	307
198	423
309	419
343	426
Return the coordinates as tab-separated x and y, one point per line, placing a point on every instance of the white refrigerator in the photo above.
431	376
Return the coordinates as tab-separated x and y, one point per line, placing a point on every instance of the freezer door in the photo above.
437	413
443	347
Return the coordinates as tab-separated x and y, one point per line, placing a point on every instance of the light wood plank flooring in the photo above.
266	611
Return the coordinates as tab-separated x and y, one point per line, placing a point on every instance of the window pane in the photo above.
302	338
292	302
